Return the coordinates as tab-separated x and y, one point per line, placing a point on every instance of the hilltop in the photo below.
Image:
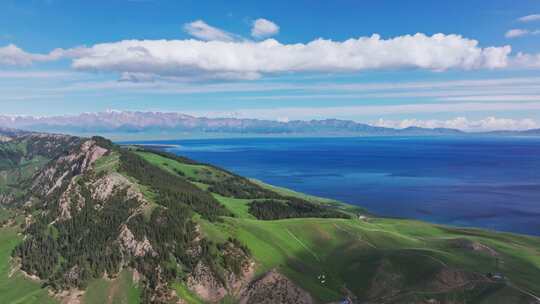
86	221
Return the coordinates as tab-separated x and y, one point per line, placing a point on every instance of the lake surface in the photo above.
480	182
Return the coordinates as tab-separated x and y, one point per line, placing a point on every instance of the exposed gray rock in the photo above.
274	287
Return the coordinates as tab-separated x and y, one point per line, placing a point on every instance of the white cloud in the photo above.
201	30
221	56
514	33
524	60
530	18
497	97
37	74
11	55
249	60
462	123
263	28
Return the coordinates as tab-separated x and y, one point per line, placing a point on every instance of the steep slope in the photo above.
109	224
22	154
89	218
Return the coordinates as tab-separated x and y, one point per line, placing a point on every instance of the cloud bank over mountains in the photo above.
464	124
218	54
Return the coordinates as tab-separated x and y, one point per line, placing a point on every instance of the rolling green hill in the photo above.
93	222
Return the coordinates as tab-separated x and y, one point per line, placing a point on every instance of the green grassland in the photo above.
121	290
200	172
107	163
186	294
348	252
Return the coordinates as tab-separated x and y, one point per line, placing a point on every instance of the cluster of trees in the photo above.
9	157
49	146
39	255
291	208
171	189
239	187
70	252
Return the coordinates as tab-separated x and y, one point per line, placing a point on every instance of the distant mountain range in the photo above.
130	124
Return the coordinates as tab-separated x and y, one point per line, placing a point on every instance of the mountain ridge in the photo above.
128	125
134	122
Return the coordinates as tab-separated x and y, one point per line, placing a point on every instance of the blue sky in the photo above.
264	60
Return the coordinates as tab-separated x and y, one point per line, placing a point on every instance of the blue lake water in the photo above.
480	182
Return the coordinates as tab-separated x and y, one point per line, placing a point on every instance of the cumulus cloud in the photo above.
11	55
201	30
263	28
530	18
462	123
249	59
219	55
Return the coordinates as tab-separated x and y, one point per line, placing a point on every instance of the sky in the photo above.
471	64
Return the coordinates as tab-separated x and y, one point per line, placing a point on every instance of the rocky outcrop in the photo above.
386	282
105	186
204	283
133	246
211	284
470	245
448	279
61	171
58	183
71	198
274	287
72	296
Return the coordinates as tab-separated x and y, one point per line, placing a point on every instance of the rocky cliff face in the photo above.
274	287
64	169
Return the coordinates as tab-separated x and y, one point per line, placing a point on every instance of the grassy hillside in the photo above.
339	251
122	290
352	253
14	286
